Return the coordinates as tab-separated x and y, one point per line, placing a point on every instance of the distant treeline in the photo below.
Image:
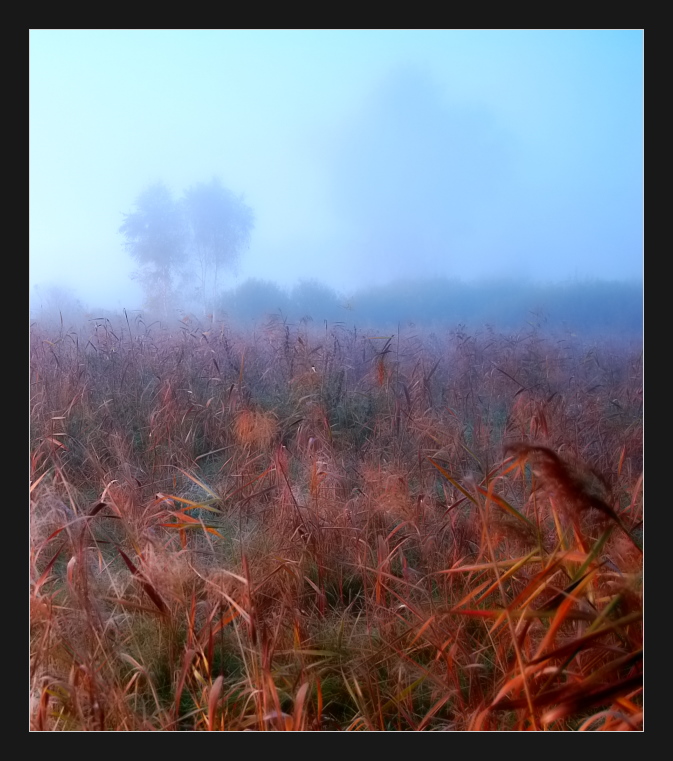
583	306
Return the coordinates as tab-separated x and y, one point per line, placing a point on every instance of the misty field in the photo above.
332	529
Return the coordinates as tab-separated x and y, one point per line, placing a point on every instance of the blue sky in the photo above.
367	156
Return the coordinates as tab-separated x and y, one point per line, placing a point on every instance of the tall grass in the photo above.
334	530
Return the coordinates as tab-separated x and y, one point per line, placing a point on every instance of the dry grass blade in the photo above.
558	477
195	480
213	697
299	715
451	480
349	571
504	505
149	589
563	611
585	640
45	574
192	505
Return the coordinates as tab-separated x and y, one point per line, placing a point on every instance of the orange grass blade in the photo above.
471	595
582	642
231	601
198	524
533	588
562	613
226	619
422	629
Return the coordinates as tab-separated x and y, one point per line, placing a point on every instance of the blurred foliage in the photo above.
588	307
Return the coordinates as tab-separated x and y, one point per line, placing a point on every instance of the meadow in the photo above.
331	529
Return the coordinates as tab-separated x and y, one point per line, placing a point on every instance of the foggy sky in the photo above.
365	155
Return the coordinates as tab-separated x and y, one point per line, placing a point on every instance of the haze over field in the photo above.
366	156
